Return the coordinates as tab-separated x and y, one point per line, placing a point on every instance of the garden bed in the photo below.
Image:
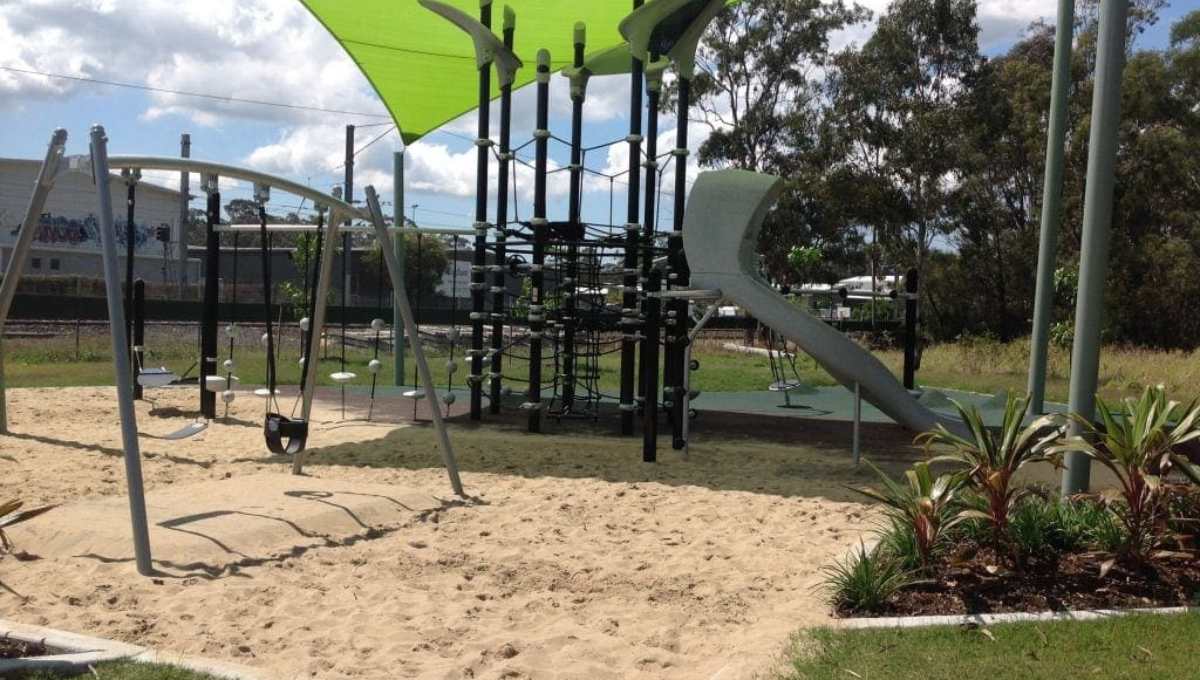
1072	582
968	538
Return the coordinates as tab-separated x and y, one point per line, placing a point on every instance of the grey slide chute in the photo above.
725	211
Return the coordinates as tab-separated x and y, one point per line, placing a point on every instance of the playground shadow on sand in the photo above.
786	457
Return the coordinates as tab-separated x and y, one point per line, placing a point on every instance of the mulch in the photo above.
979	585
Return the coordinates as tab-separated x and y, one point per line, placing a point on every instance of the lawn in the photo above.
123	670
973	365
1147	646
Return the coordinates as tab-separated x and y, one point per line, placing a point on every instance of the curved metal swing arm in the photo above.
203	167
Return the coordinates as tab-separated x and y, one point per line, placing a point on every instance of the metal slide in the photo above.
725	211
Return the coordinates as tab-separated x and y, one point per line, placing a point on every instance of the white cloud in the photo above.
267	50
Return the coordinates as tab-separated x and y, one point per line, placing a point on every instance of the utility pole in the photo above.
348	195
185	151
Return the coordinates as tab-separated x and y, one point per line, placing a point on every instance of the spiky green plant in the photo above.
1136	444
990	459
11	514
922	504
864	581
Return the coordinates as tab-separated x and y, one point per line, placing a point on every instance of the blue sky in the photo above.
273	50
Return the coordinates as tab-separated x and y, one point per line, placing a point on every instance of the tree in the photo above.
896	114
997	197
425	264
758	89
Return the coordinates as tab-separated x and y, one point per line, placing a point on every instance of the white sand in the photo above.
575	561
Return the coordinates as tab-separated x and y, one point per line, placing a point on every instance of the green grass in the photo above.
1160	647
124	670
973	365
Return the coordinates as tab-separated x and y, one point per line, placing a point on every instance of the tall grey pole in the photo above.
185	151
1097	221
20	250
116	326
410	325
1056	137
317	326
398	249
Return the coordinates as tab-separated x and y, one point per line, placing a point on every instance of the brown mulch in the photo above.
1072	582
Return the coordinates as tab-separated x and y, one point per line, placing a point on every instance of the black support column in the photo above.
570	280
630	321
648	357
679	277
479	256
537	302
499	290
212	273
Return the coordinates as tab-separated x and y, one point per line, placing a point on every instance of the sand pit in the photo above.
572	559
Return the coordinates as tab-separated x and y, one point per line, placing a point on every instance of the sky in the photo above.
274	51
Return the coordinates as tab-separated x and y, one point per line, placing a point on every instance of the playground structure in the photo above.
661	283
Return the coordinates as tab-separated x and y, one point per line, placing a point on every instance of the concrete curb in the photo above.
77	652
992	619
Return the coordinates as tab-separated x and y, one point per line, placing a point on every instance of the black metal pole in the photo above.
629	300
648	357
569	283
537	303
139	333
653	306
498	266
679	276
212	273
910	328
479	257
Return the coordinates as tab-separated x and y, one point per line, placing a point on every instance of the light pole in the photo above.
414	213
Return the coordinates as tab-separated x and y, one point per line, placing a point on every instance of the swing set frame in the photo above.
100	165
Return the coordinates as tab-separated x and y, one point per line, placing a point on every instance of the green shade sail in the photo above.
423	67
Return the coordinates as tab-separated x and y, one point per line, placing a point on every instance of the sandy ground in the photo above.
572	559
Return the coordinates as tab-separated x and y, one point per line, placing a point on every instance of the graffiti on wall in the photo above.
84	233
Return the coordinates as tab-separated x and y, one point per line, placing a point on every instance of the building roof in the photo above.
34	163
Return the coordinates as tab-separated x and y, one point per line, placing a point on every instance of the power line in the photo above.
366	146
200	95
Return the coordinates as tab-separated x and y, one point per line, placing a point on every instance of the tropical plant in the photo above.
11	514
864	581
922	505
1137	445
990	459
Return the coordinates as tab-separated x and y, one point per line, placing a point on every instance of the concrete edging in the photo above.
991	619
77	652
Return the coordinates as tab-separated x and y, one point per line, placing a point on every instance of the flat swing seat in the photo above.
218	383
414	394
264	392
790	386
156	377
342	377
188	431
